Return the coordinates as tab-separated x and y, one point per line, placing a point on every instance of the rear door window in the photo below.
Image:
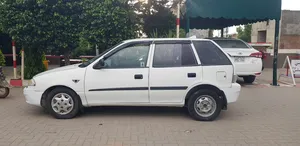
210	54
173	55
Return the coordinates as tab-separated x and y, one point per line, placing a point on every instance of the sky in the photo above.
286	5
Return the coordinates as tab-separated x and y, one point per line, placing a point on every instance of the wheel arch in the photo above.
209	87
48	90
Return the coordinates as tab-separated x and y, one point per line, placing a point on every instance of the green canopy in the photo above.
217	14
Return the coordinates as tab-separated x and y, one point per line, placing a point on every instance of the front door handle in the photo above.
191	75
138	76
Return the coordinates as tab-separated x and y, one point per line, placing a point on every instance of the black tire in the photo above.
249	79
72	94
193	98
5	92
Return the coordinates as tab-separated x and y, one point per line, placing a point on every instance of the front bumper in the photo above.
32	96
233	93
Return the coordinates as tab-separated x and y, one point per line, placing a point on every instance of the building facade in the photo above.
264	32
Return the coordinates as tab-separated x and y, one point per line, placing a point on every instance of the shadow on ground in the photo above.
135	111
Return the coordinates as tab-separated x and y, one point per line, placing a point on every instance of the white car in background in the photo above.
247	60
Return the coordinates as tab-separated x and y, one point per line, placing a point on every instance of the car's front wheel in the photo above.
249	79
204	105
62	103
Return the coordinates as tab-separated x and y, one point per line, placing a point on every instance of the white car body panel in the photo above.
62	76
250	65
91	79
99	82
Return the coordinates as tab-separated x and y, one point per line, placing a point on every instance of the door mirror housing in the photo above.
100	64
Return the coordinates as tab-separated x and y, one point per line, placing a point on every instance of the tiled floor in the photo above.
261	116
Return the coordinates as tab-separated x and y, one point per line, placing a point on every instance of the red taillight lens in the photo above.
257	55
264	56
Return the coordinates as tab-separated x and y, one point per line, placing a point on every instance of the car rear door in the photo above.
174	68
217	67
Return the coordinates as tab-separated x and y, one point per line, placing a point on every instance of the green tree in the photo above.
2	59
24	22
60	26
244	33
108	22
170	34
41	25
83	48
156	16
66	25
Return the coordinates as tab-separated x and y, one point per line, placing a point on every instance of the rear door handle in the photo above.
138	76
191	75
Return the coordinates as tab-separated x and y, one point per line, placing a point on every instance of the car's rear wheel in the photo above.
204	105
249	79
62	103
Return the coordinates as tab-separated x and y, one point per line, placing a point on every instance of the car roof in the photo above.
220	38
165	39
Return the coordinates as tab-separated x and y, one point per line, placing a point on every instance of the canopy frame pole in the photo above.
178	20
14	58
222	32
187	27
275	58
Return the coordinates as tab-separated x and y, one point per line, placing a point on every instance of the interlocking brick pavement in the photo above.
262	116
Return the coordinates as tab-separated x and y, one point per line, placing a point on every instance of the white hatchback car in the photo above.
192	73
247	60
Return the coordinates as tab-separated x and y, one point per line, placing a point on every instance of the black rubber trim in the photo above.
142	88
121	89
169	88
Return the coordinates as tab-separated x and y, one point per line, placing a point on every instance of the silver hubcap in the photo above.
62	103
205	105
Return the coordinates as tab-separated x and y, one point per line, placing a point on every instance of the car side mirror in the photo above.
100	64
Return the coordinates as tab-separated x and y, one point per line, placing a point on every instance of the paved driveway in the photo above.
262	116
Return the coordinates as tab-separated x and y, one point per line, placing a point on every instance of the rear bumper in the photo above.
252	67
233	93
241	74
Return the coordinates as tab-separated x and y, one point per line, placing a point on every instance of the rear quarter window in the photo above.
210	54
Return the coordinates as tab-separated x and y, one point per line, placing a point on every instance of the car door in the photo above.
173	70
124	77
217	66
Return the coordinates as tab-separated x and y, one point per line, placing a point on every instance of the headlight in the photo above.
31	82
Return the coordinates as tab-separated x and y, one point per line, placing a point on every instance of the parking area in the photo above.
263	115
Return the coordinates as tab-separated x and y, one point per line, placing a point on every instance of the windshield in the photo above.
232	44
85	64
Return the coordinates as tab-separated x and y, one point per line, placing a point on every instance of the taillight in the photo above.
264	56
257	55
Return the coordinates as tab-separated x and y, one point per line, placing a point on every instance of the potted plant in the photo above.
2	59
45	61
84	59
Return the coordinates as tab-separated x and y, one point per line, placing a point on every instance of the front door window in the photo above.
134	56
